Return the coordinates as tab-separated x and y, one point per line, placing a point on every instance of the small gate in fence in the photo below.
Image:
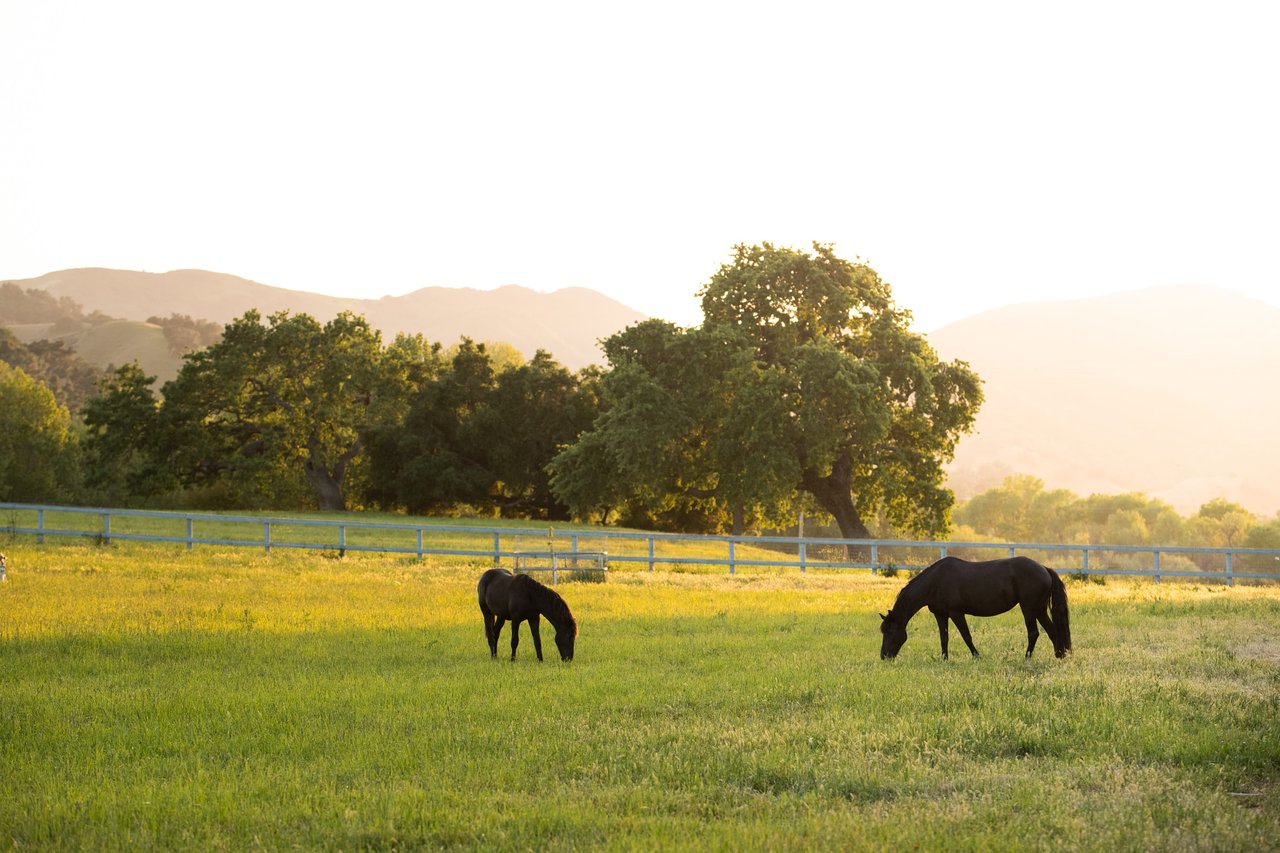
562	561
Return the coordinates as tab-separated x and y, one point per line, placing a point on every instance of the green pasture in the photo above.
154	698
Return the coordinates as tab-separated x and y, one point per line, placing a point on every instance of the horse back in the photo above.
990	587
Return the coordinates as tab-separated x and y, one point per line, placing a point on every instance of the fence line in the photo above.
622	547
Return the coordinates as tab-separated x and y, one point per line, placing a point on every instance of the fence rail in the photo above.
637	549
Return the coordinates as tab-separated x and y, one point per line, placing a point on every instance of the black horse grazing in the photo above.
504	596
952	588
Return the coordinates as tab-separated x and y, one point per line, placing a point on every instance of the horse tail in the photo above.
1058	609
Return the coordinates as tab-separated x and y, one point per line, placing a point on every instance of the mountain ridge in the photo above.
568	322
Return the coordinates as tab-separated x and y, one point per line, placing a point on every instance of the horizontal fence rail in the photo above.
494	545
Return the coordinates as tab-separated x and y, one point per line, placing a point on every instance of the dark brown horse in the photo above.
952	588
520	598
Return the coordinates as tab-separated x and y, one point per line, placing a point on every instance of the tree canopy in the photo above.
481	434
279	408
39	453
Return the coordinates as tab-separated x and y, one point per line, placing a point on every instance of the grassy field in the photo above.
154	698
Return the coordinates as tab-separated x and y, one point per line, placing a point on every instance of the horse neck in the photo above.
914	596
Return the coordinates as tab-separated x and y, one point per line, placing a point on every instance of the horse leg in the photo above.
488	630
1052	630
963	626
1033	633
515	636
537	636
942	630
498	622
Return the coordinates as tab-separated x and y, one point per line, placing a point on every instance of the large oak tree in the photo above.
804	376
287	402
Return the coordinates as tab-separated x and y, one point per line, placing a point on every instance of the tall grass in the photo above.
153	698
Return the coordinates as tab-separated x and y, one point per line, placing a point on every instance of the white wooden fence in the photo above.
614	548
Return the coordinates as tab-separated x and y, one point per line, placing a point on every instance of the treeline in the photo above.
20	306
184	334
1022	510
294	414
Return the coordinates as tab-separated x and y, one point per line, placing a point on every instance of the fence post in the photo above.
1084	561
1013	552
497	549
802	557
942	552
731	565
190	532
266	536
106	528
1230	577
419	544
875	558
39	527
342	540
650	552
1157	567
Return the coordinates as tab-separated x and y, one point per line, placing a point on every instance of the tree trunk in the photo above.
739	519
834	493
328	484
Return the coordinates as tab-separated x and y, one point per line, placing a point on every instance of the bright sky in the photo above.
976	154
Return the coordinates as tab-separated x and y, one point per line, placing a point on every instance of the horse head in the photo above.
565	637
894	631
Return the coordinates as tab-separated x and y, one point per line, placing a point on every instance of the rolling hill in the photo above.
568	323
113	343
1167	391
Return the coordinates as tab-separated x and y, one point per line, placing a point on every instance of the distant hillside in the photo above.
115	343
1168	391
567	323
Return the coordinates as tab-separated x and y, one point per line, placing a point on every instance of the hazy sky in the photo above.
974	153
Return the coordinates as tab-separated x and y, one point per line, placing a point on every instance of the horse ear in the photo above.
883	616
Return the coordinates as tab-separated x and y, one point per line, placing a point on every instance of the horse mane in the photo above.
917	584
552	605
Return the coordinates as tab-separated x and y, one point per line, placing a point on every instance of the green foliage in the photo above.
480	435
1021	510
276	412
39	452
1264	535
122	426
803	376
54	365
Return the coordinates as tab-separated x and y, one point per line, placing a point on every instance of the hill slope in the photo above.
1167	391
567	323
